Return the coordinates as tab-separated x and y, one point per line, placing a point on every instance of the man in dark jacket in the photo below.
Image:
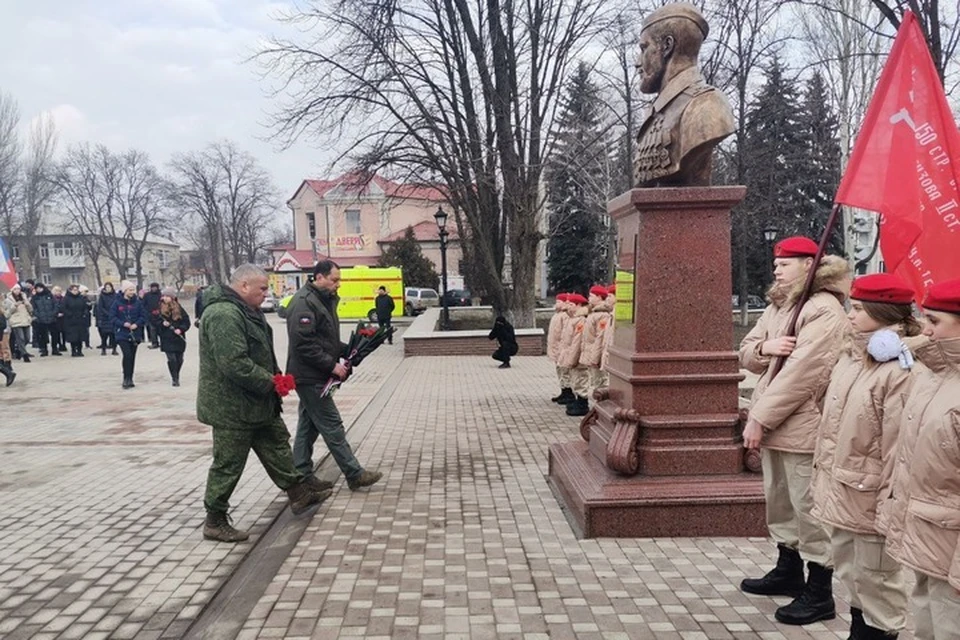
237	396
385	307
506	339
151	304
314	354
45	310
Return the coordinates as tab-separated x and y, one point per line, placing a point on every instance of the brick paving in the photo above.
101	496
101	507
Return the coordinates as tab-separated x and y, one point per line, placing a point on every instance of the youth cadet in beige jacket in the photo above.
571	341
554	336
920	512
784	416
854	456
594	338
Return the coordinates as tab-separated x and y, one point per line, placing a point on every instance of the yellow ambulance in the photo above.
358	291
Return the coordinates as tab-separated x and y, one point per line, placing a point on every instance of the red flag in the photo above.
905	165
8	275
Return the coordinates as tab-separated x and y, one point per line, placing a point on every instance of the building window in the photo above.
163	259
76	277
44	253
47	278
353	222
312	225
65	249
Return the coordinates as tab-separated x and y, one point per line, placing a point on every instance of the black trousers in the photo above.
385	323
129	350
107	340
174	364
152	335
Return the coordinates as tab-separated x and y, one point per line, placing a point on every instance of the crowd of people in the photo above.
33	316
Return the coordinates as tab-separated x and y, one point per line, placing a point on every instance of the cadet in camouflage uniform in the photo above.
236	396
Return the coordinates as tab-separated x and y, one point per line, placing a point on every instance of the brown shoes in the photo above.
365	479
218	527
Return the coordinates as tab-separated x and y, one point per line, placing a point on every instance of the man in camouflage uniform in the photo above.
237	397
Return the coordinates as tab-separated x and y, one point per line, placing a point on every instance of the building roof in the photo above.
355	184
294	260
425	231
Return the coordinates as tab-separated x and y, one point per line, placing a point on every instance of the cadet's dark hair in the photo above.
324	267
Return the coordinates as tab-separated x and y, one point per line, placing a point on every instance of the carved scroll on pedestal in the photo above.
622	455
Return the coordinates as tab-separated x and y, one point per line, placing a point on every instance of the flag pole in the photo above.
779	361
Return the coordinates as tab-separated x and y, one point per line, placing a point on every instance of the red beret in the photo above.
944	296
576	298
881	287
563	297
597	290
795	247
612	287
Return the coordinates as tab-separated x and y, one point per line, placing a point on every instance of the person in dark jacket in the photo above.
45	310
151	305
506	339
172	326
104	315
238	396
75	318
129	319
313	356
385	307
57	342
198	306
87	315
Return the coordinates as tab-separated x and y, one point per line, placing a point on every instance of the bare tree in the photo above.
10	190
37	188
941	27
453	91
116	203
231	197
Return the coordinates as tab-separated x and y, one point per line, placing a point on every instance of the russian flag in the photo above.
8	275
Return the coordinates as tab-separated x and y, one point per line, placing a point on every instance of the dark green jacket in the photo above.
313	329
237	363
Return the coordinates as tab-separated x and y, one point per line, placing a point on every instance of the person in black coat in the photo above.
45	310
105	302
172	324
151	304
75	319
385	306
128	320
506	338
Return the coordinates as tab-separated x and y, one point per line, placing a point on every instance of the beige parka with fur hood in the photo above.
555	331
571	339
789	407
595	330
854	457
920	513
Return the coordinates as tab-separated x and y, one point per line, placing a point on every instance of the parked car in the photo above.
269	304
458	298
753	302
416	300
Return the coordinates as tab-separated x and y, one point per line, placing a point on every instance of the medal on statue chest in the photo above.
652	160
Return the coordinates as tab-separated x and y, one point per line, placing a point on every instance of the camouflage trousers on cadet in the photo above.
563	375
232	446
580	381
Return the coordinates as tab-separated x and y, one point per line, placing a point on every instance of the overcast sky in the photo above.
158	75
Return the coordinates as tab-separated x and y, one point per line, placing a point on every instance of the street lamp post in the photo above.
770	235
441	217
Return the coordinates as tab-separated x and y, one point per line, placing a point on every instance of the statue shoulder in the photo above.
707	117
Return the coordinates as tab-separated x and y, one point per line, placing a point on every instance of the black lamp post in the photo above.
770	235
441	217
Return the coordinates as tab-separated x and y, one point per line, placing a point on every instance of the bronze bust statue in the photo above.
689	117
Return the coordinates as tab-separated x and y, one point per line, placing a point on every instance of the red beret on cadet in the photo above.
795	247
576	298
881	287
944	296
612	287
563	297
597	290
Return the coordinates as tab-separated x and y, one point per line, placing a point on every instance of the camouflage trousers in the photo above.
231	446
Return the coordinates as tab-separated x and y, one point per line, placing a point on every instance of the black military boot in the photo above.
856	624
785	579
7	372
217	526
815	603
302	497
566	395
578	407
873	633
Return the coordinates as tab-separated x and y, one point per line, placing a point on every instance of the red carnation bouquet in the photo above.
284	384
364	340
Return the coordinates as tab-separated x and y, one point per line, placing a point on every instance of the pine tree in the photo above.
820	176
405	253
577	190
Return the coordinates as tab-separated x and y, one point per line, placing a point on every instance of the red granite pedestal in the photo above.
660	453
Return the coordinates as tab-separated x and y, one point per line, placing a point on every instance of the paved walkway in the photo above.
101	507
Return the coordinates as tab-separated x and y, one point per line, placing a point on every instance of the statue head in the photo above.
670	41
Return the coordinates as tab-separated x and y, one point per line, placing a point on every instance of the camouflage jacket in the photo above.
237	363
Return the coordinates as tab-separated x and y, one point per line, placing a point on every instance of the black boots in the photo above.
786	579
860	630
578	406
7	371
566	395
127	383
218	527
816	601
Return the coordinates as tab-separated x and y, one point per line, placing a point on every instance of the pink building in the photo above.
352	223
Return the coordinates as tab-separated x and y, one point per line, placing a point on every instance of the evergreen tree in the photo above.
577	190
405	253
820	176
